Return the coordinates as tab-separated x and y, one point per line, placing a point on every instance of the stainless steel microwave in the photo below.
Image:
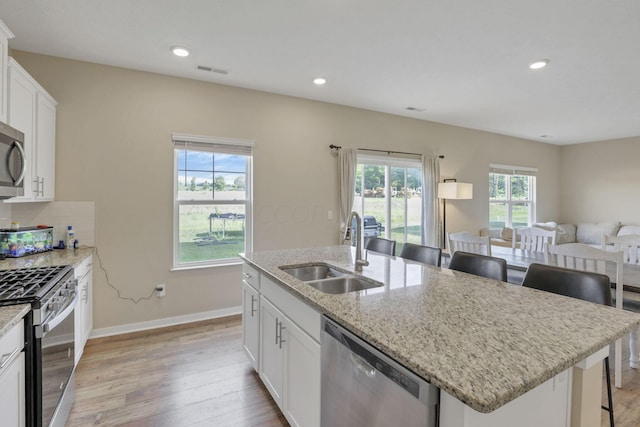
12	162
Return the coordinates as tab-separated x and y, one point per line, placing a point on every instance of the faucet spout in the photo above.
359	262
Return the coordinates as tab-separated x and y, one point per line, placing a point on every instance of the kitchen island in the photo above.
482	342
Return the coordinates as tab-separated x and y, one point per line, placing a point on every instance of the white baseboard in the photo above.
161	323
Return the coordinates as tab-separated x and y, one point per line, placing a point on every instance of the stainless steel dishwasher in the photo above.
363	387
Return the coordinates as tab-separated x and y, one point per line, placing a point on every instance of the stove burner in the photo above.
27	283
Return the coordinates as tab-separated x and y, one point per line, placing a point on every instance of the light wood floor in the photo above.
198	375
190	375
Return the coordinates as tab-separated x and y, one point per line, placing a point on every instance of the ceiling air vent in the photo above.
212	70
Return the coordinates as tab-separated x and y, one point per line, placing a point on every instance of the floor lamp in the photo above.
450	189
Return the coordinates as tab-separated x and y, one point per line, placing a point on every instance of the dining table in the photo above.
519	260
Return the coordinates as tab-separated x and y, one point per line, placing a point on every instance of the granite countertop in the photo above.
11	315
482	341
47	259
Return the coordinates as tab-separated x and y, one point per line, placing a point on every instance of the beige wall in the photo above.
601	181
114	147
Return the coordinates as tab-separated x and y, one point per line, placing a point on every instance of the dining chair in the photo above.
383	246
587	286
480	265
468	242
424	254
629	245
533	239
580	256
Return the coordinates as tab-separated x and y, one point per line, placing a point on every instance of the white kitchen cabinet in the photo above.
5	35
289	355
301	377
12	377
271	354
251	323
83	315
33	111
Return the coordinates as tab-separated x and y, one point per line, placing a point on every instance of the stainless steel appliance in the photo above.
12	162
49	350
363	387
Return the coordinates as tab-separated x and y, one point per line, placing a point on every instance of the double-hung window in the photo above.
388	196
212	200
512	194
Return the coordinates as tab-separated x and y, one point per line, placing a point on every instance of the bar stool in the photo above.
587	286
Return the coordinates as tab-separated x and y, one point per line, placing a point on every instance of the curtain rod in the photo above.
337	147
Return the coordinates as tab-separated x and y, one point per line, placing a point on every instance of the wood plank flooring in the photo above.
198	375
189	375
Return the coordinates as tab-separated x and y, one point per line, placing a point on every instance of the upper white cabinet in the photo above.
33	111
5	35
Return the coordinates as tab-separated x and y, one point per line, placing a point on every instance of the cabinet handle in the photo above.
281	329
277	329
247	275
6	358
41	187
253	310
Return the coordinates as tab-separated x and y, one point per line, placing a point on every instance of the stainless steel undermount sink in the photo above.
328	279
312	272
342	285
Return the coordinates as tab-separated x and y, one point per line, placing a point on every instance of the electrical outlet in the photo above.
161	290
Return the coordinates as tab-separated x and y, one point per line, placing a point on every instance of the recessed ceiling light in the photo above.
179	51
541	63
319	81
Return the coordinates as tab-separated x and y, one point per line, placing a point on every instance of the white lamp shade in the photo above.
455	190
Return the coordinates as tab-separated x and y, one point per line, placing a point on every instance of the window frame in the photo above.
221	146
508	172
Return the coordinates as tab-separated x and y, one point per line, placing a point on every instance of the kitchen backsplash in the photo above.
80	215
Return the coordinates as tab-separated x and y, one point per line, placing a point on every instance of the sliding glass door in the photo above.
388	195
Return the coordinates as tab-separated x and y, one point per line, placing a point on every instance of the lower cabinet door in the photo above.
251	323
12	393
302	377
271	351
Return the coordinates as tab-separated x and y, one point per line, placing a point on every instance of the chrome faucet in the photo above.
359	262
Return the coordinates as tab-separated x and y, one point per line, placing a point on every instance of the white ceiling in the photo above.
463	62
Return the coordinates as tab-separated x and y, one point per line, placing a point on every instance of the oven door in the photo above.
57	354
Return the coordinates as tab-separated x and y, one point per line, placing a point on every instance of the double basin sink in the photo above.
328	279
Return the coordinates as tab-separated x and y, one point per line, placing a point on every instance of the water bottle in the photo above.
71	237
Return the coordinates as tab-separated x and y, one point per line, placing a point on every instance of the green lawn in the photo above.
498	215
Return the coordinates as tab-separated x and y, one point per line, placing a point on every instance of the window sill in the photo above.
229	263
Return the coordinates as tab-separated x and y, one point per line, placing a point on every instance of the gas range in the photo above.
49	339
45	288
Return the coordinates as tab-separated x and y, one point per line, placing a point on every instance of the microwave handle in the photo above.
18	181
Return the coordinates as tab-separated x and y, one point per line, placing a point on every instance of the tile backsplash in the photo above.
80	215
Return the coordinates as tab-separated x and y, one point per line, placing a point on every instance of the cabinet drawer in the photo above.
251	276
295	309
11	344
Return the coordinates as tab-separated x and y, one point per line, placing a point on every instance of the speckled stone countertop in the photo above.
11	315
482	341
47	259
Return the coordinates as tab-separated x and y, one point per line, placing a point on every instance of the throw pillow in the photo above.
591	233
627	230
506	233
566	234
551	225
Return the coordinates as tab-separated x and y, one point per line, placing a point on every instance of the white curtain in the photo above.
430	209
347	159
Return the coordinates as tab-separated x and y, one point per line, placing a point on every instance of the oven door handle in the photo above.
50	324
